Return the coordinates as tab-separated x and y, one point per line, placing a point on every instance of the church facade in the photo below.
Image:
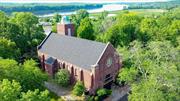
96	64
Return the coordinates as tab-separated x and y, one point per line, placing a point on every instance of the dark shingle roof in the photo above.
50	60
80	52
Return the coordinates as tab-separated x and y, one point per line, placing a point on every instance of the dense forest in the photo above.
45	8
149	48
155	5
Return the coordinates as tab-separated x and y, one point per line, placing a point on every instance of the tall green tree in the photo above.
153	73
103	15
3	17
124	31
9	91
35	95
85	29
81	14
8	49
28	74
31	34
10	31
76	18
56	18
148	29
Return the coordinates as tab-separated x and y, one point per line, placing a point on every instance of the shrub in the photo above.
62	77
103	93
90	98
78	89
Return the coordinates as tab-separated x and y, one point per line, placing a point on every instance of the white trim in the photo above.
102	53
40	45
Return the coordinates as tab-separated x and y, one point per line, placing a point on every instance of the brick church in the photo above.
94	63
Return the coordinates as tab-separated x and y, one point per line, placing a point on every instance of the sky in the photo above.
81	1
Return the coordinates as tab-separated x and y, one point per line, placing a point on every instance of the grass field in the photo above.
141	12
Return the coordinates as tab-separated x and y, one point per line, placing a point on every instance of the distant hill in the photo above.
46	8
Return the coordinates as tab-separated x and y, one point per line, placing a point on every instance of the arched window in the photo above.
109	62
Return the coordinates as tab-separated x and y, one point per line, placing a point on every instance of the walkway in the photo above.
119	93
62	92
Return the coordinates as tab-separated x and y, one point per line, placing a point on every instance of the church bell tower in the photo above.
65	27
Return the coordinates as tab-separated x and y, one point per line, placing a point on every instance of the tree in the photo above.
8	49
146	91
85	30
102	25
78	89
9	91
123	32
56	18
81	14
128	24
31	76
10	31
62	77
3	17
76	19
35	95
128	75
113	35
173	31
148	29
31	34
103	15
154	72
28	75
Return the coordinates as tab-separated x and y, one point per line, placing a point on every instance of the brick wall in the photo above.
63	29
102	69
92	79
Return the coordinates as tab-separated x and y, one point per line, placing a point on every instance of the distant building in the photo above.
94	63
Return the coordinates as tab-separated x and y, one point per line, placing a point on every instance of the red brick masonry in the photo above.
97	77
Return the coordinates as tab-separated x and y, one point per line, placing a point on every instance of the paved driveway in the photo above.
60	91
120	93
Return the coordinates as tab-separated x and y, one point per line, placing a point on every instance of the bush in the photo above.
100	95
78	89
103	93
54	28
62	77
90	98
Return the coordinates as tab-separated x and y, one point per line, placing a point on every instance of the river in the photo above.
106	7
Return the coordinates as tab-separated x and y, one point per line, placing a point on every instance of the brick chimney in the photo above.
65	27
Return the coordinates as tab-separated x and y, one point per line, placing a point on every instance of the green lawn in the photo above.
141	12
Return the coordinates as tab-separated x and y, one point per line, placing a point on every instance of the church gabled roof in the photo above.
80	52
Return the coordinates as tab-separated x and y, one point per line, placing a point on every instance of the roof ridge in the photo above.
102	53
79	38
39	46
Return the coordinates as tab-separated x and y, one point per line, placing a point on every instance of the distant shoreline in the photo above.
80	1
